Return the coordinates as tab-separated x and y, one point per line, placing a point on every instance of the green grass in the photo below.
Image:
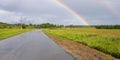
5	33
107	41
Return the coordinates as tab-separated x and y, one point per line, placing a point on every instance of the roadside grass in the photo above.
5	33
107	41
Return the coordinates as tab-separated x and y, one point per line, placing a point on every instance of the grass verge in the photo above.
106	41
5	33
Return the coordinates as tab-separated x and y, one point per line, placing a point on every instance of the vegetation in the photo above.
108	27
96	26
49	25
5	33
107	41
28	26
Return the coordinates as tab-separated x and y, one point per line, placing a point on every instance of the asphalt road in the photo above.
33	45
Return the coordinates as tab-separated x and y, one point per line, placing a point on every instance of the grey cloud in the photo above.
94	11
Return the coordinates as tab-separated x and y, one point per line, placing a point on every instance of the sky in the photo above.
94	12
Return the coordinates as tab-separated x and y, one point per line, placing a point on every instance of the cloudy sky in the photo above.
43	11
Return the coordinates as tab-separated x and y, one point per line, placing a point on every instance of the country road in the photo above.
33	45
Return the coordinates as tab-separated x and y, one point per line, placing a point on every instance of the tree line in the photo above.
108	27
95	26
49	25
28	26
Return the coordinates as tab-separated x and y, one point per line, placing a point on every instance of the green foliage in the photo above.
28	26
46	25
5	33
107	41
95	26
108	27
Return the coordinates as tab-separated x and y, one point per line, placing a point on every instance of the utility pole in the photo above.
21	22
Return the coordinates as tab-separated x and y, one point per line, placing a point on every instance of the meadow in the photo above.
104	40
5	33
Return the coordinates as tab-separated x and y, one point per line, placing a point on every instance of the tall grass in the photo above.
107	41
5	33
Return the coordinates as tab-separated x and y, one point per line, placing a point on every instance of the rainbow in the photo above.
111	8
62	4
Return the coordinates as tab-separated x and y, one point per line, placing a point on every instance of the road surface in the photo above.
33	45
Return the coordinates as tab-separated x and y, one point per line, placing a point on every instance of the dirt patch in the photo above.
80	51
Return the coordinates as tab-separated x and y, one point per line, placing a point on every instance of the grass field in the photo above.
107	41
5	33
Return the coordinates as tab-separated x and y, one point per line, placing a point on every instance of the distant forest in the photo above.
28	26
96	26
49	25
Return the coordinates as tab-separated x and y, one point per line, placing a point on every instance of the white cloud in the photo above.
4	12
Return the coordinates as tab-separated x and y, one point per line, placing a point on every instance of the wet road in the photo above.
33	45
